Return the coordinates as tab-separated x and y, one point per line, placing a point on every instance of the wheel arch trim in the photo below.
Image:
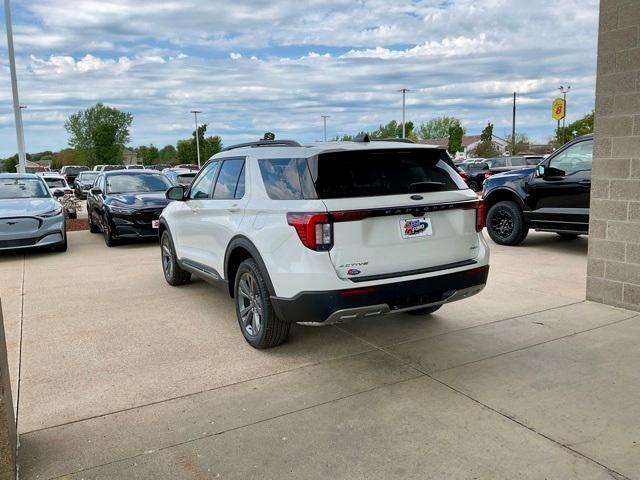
240	241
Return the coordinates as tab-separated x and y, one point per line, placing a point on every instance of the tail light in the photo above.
481	215
314	229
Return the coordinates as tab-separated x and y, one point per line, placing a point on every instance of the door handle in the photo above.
234	208
585	182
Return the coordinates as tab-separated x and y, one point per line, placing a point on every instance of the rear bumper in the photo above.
339	305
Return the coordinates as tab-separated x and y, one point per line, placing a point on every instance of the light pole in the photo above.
404	94
195	116
17	111
324	121
513	127
564	92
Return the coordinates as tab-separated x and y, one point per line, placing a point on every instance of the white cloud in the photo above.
280	65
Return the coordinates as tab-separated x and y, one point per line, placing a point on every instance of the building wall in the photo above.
613	274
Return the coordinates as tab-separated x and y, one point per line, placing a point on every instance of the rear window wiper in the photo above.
426	186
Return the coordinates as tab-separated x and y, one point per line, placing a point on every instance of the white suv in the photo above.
326	232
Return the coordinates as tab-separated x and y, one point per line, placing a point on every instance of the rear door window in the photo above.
227	182
383	172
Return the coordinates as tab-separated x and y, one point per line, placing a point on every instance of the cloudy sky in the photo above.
273	65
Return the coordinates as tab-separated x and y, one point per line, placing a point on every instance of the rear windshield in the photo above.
88	176
109	168
185	178
53	182
359	174
383	172
518	161
74	170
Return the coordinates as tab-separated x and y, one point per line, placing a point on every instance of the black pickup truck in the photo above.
480	171
552	197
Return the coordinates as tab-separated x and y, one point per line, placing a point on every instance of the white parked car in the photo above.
327	232
56	182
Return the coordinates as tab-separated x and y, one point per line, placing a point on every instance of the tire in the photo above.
109	239
259	323
473	185
61	247
73	216
93	228
424	311
506	224
568	236
173	274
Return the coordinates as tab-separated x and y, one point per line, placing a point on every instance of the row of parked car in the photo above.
321	233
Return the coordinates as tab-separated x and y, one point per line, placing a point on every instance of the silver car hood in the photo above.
23	207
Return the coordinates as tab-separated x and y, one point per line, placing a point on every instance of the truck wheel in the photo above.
258	321
506	224
473	185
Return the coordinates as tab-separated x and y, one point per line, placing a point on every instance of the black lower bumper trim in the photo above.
319	306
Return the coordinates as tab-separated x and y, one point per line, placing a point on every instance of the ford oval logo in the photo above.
417	197
353	271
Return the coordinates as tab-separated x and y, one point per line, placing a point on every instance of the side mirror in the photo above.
176	193
96	191
540	171
58	193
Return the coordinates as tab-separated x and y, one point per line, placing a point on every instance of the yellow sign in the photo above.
558	109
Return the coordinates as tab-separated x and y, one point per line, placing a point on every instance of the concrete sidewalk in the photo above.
123	376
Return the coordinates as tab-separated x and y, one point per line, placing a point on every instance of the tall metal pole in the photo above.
324	120
195	115
564	96
513	127
17	112
404	94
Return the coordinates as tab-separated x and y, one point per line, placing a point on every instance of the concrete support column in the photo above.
613	275
8	436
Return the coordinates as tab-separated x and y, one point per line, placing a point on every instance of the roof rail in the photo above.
399	140
264	143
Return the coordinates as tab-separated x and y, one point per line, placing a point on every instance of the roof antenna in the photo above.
362	137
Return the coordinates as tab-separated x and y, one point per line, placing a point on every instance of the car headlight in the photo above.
121	210
52	213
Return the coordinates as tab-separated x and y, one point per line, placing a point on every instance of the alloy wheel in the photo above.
250	304
502	223
167	258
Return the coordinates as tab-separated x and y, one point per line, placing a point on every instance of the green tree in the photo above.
438	127
64	157
269	136
10	164
393	129
168	154
209	146
456	132
575	129
521	145
486	148
344	138
99	133
105	149
149	155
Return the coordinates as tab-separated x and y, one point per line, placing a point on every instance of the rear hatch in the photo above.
395	212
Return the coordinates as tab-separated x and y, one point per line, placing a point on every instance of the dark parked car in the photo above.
126	204
70	172
552	197
84	182
479	172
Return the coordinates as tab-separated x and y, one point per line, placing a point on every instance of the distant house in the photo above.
469	143
130	157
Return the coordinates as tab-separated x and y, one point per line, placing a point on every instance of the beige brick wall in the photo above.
613	272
